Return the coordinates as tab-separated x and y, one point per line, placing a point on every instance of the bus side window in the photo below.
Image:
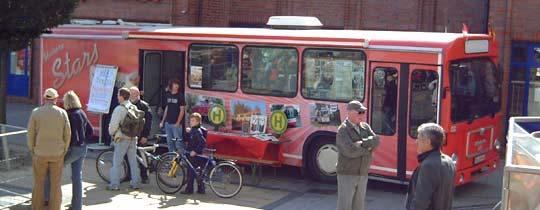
269	71
333	75
384	101
213	67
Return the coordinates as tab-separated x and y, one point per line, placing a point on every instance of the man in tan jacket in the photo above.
49	134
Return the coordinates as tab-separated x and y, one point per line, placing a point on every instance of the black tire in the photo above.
167	184
226	180
322	159
104	164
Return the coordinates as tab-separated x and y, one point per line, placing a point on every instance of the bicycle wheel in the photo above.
170	184
168	156
104	163
226	179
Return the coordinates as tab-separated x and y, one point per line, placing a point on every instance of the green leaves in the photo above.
23	20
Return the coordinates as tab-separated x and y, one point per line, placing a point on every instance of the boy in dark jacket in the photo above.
196	143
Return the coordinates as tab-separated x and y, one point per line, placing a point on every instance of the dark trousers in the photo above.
197	162
105	137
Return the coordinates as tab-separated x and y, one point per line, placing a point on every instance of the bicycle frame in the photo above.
185	158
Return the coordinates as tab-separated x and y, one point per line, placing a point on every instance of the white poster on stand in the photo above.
101	89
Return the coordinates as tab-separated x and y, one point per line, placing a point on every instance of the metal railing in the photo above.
4	135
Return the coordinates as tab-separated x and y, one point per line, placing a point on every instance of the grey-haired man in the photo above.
432	183
355	142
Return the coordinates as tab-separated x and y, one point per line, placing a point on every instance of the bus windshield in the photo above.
475	87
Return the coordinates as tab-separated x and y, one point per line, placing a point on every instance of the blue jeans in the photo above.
174	138
75	157
121	148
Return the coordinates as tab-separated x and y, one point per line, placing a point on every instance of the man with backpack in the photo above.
135	99
127	123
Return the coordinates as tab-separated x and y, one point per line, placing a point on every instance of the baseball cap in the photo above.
50	93
356	106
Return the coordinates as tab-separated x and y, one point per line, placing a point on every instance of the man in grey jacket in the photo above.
123	144
432	183
355	142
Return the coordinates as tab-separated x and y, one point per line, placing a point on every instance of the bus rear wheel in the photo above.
323	157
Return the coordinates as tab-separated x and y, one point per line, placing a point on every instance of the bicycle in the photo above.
145	157
223	175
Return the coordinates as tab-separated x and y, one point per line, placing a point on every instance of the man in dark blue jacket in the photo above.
195	146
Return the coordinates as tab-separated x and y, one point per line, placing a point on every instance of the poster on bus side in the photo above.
324	115
242	111
202	104
292	111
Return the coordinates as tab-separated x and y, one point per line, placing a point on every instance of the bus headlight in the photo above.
454	158
498	145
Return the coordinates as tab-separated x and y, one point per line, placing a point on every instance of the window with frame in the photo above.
424	99
334	75
213	67
270	71
476	88
384	98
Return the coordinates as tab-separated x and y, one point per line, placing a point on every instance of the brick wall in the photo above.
246	12
418	15
525	21
389	15
133	10
185	12
216	12
451	15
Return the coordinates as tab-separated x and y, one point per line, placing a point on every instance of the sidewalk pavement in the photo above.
286	191
95	197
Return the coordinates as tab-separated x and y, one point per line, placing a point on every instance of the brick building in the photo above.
518	32
420	15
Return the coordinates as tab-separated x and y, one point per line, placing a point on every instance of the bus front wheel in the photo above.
323	157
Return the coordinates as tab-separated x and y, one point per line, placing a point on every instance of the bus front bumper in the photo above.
477	171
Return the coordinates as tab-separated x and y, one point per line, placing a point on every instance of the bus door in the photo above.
383	112
423	103
156	68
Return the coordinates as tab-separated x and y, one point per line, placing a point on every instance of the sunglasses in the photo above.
361	112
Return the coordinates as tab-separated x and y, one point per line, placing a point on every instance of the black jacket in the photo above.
81	129
432	183
197	139
143	106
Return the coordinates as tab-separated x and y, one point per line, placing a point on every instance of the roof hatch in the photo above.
294	22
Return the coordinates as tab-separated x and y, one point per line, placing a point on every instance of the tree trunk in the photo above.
3	83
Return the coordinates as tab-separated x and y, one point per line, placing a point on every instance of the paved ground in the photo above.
285	191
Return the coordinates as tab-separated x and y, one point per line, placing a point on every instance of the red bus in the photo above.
404	78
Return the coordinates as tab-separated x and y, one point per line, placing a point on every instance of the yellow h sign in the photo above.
278	122
216	115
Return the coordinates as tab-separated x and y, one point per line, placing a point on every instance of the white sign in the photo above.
102	88
257	124
476	46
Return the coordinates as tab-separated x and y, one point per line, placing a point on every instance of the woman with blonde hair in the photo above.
81	131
